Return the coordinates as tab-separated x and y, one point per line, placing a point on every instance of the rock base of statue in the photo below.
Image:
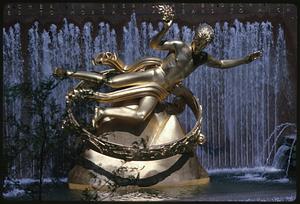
160	128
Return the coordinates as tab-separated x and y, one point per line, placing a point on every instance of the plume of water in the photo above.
290	157
282	128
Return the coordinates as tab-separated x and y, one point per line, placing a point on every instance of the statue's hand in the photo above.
60	72
167	13
253	56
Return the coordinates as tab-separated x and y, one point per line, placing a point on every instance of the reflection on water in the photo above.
256	184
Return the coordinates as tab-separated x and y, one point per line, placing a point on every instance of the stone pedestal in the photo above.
160	128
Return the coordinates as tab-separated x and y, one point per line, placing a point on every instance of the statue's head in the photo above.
203	36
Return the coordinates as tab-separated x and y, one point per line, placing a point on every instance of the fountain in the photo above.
240	106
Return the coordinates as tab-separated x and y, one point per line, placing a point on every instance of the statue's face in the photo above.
203	37
199	44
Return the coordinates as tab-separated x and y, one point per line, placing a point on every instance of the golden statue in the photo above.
143	86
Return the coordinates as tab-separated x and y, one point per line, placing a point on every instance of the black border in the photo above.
295	2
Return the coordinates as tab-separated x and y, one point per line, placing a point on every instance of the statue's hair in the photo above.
205	31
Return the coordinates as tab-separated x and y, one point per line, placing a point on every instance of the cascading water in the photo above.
13	67
240	105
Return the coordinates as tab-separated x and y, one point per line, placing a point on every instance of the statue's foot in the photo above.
99	112
59	72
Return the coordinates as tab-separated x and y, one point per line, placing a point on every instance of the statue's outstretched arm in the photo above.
224	64
168	14
157	43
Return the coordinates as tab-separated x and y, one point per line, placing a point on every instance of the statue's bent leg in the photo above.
144	109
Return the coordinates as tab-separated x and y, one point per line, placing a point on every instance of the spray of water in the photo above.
290	156
282	128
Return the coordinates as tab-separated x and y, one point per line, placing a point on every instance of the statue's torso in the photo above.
181	63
